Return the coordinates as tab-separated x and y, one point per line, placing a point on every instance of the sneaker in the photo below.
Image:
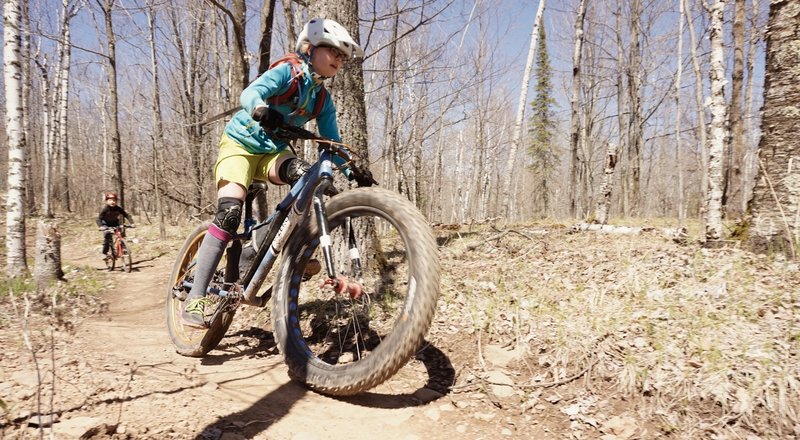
312	268
193	314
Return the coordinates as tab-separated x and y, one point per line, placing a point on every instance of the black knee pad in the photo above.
229	214
292	170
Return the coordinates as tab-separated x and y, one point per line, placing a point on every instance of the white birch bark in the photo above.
63	106
713	225
608	181
16	264
523	102
47	146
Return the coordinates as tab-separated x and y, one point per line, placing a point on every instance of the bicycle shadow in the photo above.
270	409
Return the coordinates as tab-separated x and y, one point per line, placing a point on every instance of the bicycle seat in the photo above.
257	185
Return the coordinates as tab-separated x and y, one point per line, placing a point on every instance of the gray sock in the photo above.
208	257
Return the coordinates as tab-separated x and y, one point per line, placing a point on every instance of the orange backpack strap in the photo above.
292	92
294	60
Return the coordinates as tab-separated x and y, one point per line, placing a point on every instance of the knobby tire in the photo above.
341	353
191	341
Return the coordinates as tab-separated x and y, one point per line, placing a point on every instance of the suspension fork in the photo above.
324	231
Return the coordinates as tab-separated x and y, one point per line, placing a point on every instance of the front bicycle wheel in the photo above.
191	341
126	257
111	257
346	343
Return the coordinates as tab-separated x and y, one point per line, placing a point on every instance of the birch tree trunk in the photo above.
574	131
48	254
523	102
713	225
608	182
16	264
775	206
68	13
47	150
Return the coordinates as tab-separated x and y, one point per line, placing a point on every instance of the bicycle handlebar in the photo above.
362	176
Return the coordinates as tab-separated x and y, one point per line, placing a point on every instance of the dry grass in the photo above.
707	340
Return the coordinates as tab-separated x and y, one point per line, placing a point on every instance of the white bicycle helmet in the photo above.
321	31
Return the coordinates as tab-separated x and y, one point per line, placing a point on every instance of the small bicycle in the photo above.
341	330
119	248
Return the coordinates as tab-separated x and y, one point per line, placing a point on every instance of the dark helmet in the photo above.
111	195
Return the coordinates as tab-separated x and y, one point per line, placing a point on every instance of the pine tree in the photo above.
542	124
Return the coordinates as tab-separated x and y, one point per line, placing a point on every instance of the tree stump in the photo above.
48	253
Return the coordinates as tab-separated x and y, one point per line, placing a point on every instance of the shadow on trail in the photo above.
254	342
277	404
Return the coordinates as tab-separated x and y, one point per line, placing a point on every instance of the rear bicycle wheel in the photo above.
190	341
126	257
340	343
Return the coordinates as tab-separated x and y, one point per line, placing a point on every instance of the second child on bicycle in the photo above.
290	92
110	216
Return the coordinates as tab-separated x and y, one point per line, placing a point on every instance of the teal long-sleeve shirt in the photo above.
246	131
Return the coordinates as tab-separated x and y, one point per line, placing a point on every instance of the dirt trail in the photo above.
238	391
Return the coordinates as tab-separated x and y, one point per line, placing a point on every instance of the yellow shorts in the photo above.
235	164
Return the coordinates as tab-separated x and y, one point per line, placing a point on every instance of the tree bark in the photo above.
48	254
733	202
574	131
113	102
521	104
158	135
701	113
608	182
775	206
265	44
63	107
681	202
713	225
16	264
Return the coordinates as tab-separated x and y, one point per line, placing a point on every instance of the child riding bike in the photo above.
110	216
290	92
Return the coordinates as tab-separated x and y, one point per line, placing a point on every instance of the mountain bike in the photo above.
347	328
119	248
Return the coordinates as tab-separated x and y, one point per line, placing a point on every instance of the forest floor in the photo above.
539	333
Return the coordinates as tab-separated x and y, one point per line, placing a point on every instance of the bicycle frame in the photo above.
282	223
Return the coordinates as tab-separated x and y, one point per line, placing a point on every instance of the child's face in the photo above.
327	60
111	202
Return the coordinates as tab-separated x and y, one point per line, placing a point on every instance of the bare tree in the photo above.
681	204
713	225
523	97
16	264
106	7
265	46
733	202
158	126
775	206
574	131
62	110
